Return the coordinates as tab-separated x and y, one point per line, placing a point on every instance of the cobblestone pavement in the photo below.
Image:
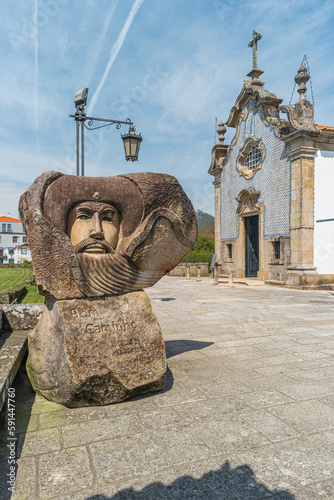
247	412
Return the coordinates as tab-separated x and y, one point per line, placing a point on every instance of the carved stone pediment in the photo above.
248	199
258	95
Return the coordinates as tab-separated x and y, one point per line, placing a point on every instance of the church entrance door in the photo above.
252	245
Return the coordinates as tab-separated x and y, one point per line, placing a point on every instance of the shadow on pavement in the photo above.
24	400
174	347
163	299
222	484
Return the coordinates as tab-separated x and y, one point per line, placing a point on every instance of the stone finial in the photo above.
301	78
221	129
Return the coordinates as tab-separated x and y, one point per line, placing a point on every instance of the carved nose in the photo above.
96	227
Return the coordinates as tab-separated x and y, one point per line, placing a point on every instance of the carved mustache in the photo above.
80	247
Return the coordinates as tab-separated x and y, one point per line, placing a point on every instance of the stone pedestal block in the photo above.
96	351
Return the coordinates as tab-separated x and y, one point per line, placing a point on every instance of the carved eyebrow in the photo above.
84	210
105	209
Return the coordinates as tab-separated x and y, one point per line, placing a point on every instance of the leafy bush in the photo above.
202	251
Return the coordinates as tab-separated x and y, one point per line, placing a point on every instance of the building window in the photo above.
24	239
3	227
9	228
11	251
229	250
277	249
250	157
253	158
23	251
15	239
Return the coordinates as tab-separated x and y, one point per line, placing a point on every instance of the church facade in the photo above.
270	221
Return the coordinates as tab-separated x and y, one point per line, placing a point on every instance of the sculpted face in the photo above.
93	228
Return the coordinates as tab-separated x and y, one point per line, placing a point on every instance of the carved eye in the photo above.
83	217
106	218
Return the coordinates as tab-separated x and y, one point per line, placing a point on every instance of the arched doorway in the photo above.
250	240
251	245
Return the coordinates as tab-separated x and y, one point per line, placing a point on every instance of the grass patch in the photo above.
12	278
32	296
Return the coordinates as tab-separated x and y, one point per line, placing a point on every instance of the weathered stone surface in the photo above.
12	350
19	316
96	351
154	227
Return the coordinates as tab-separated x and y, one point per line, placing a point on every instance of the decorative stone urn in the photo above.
96	242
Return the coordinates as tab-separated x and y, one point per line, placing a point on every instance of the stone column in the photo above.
217	184
302	269
218	154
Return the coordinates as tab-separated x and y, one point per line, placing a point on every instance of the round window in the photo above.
250	157
253	158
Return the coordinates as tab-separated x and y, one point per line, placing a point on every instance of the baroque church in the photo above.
274	215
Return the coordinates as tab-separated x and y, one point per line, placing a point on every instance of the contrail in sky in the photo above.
98	45
36	64
115	50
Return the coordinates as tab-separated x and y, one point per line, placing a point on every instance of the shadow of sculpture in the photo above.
174	347
223	484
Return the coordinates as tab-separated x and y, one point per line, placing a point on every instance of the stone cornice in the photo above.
302	152
218	155
302	145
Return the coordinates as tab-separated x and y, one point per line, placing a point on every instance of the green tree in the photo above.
203	250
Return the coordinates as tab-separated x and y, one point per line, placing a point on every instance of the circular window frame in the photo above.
243	153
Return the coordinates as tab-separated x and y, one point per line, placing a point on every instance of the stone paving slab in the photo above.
246	413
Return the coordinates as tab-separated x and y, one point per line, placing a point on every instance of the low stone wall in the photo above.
15	322
19	316
9	297
20	266
181	269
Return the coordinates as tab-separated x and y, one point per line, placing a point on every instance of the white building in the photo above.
13	241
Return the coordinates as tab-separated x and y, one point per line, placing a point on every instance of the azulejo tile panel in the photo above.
272	180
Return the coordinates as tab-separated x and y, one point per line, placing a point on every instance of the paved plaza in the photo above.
247	412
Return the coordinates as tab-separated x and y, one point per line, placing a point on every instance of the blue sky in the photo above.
171	66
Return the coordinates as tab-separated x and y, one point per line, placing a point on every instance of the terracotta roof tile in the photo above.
325	128
4	218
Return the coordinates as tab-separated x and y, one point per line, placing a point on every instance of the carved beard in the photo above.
115	274
82	246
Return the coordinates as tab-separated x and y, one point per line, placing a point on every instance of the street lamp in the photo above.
131	144
131	139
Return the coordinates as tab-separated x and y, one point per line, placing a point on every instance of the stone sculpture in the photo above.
96	242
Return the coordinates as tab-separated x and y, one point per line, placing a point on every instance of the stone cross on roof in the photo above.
256	37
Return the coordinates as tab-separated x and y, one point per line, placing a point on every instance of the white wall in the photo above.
324	209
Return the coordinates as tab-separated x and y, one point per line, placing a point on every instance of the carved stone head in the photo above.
93	227
94	236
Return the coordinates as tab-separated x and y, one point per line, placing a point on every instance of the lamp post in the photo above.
131	140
